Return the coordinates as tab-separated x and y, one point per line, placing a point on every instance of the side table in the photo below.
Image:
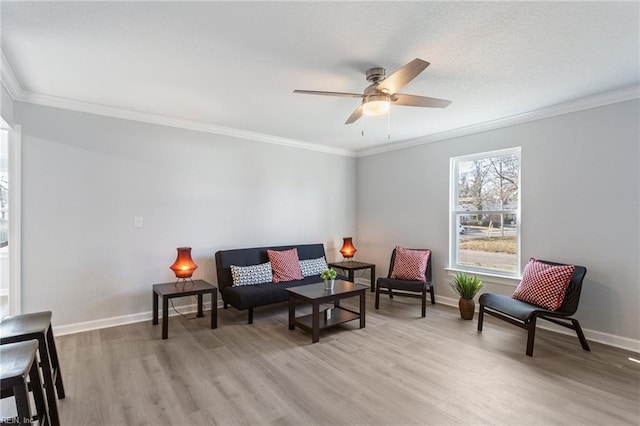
351	266
172	290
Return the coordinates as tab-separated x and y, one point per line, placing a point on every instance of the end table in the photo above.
172	290
351	266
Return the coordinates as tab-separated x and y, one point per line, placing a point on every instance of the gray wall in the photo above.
580	204
85	177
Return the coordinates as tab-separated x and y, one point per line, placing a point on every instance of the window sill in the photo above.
488	278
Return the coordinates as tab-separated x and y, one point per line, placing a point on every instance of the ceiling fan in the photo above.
383	91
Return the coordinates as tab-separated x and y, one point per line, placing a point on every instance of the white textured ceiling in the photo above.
235	64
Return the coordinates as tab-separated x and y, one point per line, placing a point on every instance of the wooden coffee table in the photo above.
315	294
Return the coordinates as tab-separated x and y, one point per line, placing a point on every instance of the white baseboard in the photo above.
591	335
79	327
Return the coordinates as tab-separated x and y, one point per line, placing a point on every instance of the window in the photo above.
9	219
485	212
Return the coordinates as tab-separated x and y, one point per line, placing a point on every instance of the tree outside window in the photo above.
485	212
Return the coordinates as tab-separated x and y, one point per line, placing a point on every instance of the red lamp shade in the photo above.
348	250
183	266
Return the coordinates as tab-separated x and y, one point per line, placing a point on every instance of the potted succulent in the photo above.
329	277
467	287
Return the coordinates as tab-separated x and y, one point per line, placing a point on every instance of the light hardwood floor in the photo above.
400	369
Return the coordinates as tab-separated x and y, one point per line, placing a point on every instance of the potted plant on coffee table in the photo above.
467	287
329	277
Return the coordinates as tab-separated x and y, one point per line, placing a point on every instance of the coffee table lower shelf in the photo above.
338	316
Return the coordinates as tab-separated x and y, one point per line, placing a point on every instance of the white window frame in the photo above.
454	266
15	200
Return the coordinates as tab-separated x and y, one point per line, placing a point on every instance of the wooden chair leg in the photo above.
250	315
433	295
55	363
578	329
225	305
21	395
47	379
424	302
531	335
377	305
390	293
38	396
480	317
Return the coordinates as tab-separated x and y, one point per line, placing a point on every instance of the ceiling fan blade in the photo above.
342	94
418	101
355	115
404	75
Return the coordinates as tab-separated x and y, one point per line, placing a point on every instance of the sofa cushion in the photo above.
285	265
543	284
311	267
410	264
253	274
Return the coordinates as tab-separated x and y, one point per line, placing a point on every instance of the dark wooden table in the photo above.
181	289
315	294
351	266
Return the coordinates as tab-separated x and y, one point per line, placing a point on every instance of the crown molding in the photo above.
581	104
8	79
16	92
86	107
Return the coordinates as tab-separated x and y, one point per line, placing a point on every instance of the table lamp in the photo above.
348	250
183	267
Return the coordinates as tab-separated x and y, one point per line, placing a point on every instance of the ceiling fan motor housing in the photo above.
376	75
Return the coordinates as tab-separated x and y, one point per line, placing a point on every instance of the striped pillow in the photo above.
285	265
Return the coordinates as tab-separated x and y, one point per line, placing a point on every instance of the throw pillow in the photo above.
311	267
253	274
410	264
543	284
285	265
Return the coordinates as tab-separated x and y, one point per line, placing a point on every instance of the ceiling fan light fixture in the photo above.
376	105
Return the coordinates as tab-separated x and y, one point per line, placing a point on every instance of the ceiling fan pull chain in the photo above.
389	125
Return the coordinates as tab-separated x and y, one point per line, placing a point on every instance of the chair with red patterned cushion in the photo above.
537	285
409	274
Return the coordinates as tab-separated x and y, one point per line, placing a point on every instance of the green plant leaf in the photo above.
465	285
328	274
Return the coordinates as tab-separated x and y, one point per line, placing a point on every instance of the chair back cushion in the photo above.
544	284
409	264
285	265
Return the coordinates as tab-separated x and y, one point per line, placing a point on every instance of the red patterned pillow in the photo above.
410	264
543	284
285	265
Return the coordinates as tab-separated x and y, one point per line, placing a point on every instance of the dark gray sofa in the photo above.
252	296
